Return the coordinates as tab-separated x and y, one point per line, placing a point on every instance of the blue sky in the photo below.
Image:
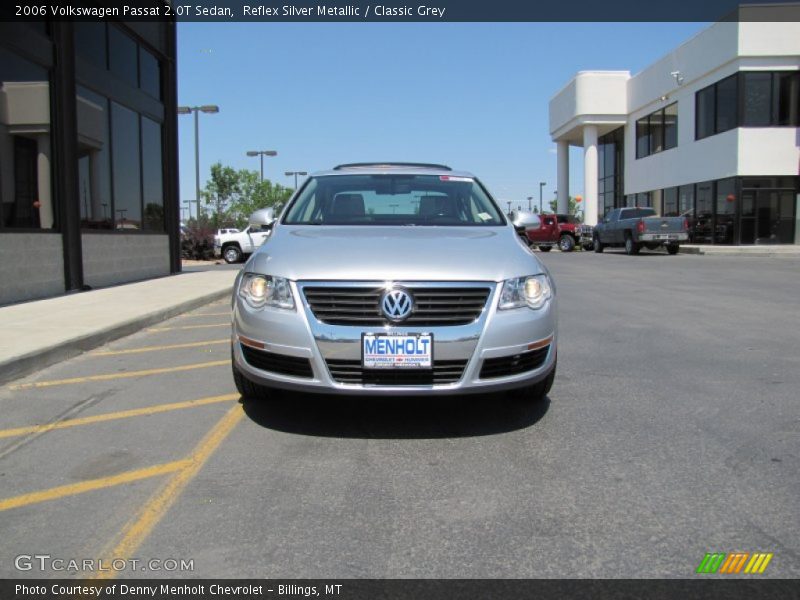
470	95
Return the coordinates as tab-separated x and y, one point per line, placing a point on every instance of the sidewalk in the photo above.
763	250
43	332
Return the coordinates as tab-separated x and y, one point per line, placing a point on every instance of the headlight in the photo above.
533	291
265	290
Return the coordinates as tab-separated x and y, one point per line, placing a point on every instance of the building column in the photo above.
562	150
590	174
45	188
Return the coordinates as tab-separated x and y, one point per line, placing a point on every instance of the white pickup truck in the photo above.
235	247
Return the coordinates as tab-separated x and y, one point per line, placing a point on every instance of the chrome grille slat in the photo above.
359	305
350	371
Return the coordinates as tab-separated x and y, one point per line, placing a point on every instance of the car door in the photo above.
607	230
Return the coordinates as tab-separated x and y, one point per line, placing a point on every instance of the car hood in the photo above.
394	253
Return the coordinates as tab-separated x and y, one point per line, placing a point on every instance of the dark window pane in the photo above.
656	132
704	213
126	168
610	151
726	104
94	165
149	73
704	117
152	186
686	204
726	211
90	42
642	138
122	56
26	199
756	99
671	202
601	161
671	126
786	99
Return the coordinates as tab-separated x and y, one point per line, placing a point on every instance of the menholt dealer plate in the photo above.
397	351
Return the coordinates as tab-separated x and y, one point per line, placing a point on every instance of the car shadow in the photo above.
395	417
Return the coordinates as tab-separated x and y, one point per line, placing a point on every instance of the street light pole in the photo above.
541	185
295	173
262	154
185	110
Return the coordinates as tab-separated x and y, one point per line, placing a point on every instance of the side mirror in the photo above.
525	220
263	217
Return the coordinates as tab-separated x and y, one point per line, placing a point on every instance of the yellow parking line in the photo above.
109	376
137	530
188	327
113	416
92	484
155	348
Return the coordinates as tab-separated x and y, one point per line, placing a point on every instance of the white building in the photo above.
710	132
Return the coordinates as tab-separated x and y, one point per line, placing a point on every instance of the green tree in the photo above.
572	207
234	195
220	191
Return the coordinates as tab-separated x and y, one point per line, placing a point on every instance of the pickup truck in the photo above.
235	247
555	229
634	228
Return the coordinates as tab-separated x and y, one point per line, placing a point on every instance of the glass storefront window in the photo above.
122	56
704	215
90	42
94	165
26	197
149	73
671	126
671	202
725	228
152	178
126	168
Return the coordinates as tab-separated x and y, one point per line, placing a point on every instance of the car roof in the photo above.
392	168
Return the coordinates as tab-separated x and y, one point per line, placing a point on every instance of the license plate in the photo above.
666	237
388	351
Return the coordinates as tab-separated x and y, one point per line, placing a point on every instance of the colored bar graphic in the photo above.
759	562
711	562
735	562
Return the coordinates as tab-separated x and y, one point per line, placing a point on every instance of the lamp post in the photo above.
185	110
262	154
295	173
541	185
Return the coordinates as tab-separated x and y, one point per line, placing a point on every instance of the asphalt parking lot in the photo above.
672	430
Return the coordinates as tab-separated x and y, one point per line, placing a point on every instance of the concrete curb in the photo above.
26	364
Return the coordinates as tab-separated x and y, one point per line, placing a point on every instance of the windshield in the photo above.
393	200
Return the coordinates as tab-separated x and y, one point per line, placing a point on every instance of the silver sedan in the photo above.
393	279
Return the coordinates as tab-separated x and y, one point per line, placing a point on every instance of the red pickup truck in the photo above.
561	230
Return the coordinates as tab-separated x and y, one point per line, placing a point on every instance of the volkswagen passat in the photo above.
393	279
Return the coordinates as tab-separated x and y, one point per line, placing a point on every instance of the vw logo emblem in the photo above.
396	304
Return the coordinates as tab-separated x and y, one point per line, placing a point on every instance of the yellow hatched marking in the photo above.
156	348
113	416
137	530
184	327
111	376
93	484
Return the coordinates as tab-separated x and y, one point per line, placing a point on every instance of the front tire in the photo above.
631	247
231	254
598	245
672	248
538	391
566	243
248	389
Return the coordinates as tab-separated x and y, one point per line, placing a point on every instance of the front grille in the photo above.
503	366
350	371
277	363
433	306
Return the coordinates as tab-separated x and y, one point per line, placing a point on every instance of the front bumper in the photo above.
298	333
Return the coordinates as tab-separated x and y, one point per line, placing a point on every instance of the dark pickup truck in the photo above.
634	228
